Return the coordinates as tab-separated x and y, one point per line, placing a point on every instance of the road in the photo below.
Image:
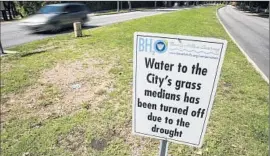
13	34
251	32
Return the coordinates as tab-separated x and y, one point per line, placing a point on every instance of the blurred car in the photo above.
54	17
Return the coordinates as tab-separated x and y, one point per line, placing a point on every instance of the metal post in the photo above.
1	49
163	149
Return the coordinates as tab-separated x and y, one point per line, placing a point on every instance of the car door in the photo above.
77	13
69	16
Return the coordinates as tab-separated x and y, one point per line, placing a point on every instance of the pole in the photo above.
77	29
1	49
163	149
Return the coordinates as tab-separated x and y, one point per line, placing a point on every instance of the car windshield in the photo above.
50	10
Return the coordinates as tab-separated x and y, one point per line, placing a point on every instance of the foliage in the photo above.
31	7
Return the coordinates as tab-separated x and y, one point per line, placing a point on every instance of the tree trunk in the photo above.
10	15
7	7
117	6
129	5
250	6
155	4
13	9
9	11
4	15
169	3
4	12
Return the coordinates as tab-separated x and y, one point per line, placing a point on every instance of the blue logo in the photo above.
161	46
148	45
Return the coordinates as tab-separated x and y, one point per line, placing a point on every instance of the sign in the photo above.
174	85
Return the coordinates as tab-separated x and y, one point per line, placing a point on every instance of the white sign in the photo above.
174	85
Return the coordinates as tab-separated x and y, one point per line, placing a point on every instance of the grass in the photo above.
238	123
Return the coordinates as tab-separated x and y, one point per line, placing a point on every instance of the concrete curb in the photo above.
10	52
6	52
242	50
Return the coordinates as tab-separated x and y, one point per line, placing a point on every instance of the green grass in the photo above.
238	123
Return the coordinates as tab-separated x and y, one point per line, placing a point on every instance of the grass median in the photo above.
72	96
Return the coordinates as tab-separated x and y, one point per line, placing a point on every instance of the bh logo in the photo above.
147	45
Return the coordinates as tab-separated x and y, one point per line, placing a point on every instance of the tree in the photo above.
25	8
117	6
252	6
7	5
3	10
129	5
169	3
13	9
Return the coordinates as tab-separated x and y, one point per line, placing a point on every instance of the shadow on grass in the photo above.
37	51
32	53
64	30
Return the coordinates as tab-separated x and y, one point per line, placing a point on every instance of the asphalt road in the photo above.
251	32
13	34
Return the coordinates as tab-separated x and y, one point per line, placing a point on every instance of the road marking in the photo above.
242	50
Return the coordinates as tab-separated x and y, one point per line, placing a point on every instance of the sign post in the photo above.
174	84
1	49
163	149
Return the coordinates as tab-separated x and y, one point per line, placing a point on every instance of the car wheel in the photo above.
83	21
56	28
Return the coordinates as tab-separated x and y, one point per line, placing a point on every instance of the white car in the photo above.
56	16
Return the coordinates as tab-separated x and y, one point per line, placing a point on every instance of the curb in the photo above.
6	52
10	52
243	52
